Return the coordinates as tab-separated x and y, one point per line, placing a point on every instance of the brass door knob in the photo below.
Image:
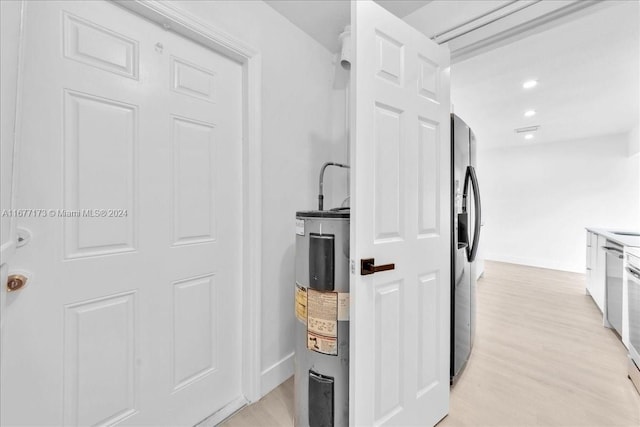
15	282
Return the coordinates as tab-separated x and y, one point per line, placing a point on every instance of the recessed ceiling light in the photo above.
528	136
530	113
529	84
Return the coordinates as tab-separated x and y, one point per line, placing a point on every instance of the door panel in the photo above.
99	360
192	80
100	143
399	370
128	133
388	360
100	47
428	178
194	148
429	289
195	329
388	177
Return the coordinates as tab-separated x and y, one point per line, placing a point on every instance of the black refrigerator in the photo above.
466	216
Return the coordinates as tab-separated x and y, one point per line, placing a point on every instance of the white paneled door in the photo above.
400	206
131	153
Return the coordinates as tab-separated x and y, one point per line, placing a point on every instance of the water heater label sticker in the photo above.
322	321
320	344
343	306
301	303
300	227
322	313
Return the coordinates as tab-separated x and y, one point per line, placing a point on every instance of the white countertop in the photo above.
624	240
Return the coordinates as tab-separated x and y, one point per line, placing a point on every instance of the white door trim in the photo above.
171	17
8	249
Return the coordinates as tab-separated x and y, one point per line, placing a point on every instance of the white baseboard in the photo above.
533	262
276	374
224	413
271	378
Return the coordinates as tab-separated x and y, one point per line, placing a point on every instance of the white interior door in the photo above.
399	367
131	149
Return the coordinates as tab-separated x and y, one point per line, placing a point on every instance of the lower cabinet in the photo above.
589	264
596	268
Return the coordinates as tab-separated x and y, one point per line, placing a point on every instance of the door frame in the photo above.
173	18
8	249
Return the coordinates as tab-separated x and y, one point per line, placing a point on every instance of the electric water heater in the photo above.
322	314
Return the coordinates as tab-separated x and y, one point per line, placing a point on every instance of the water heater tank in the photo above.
322	312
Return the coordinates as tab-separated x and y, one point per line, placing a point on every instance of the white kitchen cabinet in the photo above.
600	272
609	289
588	270
596	269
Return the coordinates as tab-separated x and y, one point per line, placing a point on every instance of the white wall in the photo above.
537	199
297	138
337	178
634	141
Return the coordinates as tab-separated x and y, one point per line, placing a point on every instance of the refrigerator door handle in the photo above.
470	177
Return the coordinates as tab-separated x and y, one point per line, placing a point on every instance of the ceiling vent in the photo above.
527	129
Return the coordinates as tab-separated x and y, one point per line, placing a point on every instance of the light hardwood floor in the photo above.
541	358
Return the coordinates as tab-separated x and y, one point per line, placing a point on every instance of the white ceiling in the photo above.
471	27
402	8
589	81
586	58
324	20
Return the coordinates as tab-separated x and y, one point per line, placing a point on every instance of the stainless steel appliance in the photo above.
614	268
465	236
633	293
